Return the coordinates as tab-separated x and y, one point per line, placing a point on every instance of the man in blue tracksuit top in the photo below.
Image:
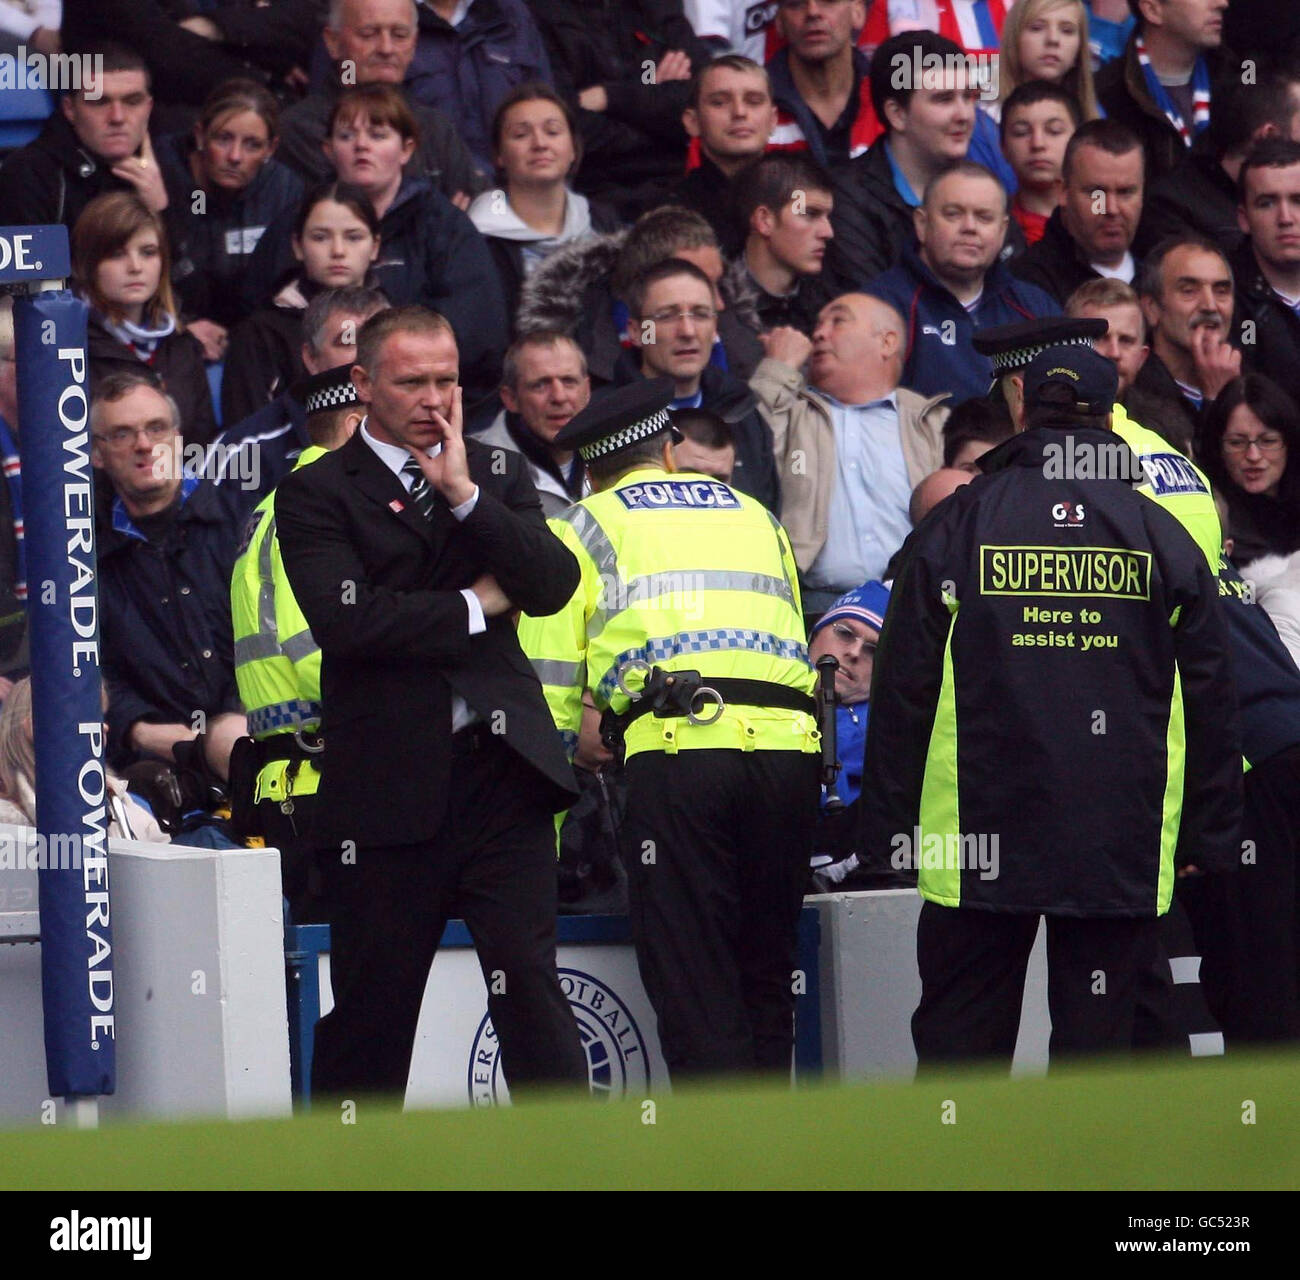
950	283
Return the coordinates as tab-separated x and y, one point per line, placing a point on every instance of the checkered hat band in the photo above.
339	396
628	435
1006	361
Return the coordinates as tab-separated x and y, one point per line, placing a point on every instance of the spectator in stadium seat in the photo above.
783	202
937	486
166	545
730	114
1160	86
951	283
927	128
580	290
1037	121
1199	195
121	267
258	452
1091	233
96	142
373	42
707	444
672	321
18	776
1047	41
534	211
224	185
544	383
821	84
335	242
1186	290
430	253
1266	267
469	54
1249	445
850	442
971	430
627	67
1125	342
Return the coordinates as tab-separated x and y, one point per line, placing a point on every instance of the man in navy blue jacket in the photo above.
167	543
468	56
950	283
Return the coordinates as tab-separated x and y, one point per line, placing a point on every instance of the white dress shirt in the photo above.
395	457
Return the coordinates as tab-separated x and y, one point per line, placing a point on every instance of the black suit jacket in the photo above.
380	588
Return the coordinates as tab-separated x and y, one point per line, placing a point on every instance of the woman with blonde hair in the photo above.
121	265
128	818
1048	40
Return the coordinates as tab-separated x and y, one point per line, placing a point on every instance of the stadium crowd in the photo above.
802	213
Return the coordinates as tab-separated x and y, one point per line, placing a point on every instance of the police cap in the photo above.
619	418
332	389
1072	380
1013	346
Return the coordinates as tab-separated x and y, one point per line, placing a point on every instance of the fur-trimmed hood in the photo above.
552	297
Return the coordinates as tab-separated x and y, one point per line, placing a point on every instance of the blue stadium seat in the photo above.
22	113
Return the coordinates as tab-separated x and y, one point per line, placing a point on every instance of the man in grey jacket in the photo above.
543	384
850	443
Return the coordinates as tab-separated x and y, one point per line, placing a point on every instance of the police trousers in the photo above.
716	845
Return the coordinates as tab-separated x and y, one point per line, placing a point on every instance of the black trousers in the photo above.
973	967
1247	921
716	845
492	863
299	873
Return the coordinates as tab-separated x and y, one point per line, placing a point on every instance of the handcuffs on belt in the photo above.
672	693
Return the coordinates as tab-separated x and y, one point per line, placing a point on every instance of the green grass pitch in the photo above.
1159	1124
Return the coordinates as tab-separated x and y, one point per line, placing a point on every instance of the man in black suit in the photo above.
442	767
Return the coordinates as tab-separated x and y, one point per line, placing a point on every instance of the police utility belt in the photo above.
247	760
686	694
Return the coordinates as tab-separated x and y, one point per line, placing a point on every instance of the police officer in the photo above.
687	629
1052	721
1169	477
277	666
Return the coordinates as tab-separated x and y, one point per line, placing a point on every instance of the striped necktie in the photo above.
421	491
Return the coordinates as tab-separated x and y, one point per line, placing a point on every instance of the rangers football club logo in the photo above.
617	1062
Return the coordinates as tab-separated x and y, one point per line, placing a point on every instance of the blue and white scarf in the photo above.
1200	95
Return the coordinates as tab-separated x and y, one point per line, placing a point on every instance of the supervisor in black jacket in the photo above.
1053	727
442	768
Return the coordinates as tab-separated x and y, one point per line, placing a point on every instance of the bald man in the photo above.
850	443
934	489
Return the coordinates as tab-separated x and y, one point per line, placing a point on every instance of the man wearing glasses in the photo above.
167	543
672	323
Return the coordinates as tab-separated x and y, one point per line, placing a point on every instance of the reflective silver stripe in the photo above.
780	553
300	646
254	648
618	594
595	541
563	675
685	581
266	596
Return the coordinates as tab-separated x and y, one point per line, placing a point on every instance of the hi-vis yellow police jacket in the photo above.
1176	483
277	663
682	572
